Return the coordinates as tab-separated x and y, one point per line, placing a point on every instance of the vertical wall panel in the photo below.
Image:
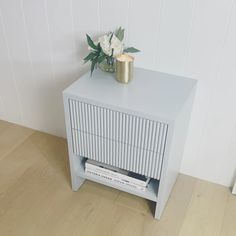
175	27
143	29
86	19
221	117
39	42
64	55
65	58
118	11
207	40
37	30
8	92
13	20
208	33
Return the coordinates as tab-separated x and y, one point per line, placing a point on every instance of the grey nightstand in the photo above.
140	127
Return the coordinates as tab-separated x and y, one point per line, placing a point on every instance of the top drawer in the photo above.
118	126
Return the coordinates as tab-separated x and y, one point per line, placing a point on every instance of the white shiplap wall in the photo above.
42	44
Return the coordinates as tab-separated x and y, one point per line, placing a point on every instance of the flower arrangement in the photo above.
104	51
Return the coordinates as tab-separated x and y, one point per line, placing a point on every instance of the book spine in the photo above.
123	178
101	170
106	168
117	174
115	180
112	168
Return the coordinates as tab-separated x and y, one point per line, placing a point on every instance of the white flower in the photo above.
107	46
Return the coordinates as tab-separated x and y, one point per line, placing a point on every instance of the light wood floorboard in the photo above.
206	210
36	197
229	221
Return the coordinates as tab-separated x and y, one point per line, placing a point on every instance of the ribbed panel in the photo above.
119	139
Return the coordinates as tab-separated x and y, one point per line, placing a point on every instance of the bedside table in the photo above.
139	127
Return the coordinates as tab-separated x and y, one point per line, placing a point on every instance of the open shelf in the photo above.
150	193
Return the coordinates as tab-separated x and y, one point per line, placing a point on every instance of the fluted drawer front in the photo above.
116	138
117	154
118	126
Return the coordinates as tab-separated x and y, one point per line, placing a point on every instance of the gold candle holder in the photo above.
124	68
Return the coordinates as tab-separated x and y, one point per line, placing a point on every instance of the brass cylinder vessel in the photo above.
124	68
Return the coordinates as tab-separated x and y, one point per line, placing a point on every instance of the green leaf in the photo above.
93	66
120	33
112	52
131	50
91	43
90	56
111	38
101	58
117	31
99	48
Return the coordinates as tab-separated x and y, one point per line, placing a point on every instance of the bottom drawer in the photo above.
122	155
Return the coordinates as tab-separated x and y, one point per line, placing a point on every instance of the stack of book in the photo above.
116	175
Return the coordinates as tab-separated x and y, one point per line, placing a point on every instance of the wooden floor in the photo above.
36	197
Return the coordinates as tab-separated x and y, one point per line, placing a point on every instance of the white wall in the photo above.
42	44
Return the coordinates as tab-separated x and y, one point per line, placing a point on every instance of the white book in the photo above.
103	170
103	165
124	176
117	173
133	186
115	180
112	174
117	177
